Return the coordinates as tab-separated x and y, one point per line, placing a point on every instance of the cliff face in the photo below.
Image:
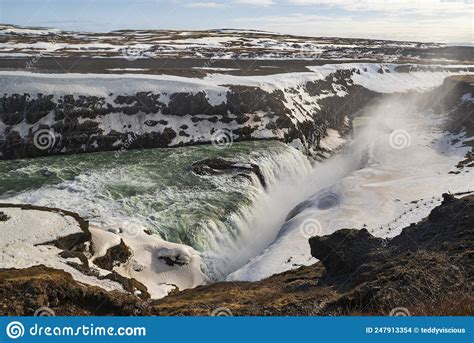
46	115
36	124
458	101
459	104
427	269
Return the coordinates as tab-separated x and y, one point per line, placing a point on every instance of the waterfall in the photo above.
402	154
251	229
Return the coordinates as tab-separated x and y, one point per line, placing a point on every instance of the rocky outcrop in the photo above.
425	262
346	250
25	291
173	258
454	91
79	248
459	104
3	217
219	166
114	256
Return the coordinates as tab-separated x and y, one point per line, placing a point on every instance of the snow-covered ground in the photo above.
147	264
26	241
215	44
23	238
104	84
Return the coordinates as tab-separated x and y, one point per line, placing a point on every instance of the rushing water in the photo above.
157	189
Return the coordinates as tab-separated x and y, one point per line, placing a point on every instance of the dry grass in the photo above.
449	306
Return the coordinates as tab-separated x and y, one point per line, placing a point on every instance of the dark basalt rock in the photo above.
217	166
460	111
146	102
115	255
245	99
3	217
152	123
182	104
345	250
175	260
448	230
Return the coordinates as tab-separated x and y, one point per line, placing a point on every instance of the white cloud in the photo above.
205	5
398	7
255	2
213	4
417	20
455	29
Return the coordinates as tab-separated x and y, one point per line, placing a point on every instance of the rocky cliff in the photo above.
43	114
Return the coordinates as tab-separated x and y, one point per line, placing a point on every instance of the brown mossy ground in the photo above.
23	291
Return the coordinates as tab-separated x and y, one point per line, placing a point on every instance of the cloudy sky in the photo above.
427	20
